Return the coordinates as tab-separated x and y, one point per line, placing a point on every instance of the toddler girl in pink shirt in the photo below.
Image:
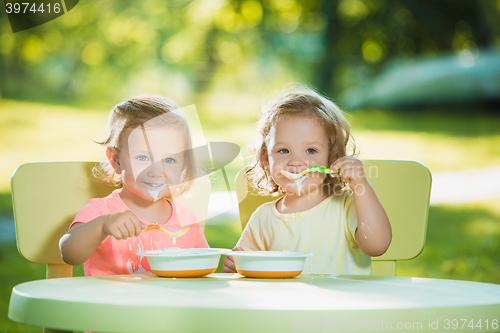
149	157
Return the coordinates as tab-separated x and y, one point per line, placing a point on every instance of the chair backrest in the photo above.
47	196
403	188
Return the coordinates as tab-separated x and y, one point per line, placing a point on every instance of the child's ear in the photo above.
114	159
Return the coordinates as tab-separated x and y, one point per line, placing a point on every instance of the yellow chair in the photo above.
47	196
403	188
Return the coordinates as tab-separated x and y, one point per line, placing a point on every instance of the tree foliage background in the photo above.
224	56
108	49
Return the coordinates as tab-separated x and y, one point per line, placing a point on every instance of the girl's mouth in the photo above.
155	185
154	189
291	175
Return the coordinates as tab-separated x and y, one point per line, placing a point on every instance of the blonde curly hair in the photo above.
299	101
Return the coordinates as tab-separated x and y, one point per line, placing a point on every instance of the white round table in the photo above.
230	303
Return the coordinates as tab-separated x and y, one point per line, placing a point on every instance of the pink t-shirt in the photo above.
119	256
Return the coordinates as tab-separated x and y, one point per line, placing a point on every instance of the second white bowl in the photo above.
269	264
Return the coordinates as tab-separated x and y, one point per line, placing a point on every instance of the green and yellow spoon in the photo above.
295	176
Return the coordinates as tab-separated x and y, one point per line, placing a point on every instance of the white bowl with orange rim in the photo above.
269	264
176	262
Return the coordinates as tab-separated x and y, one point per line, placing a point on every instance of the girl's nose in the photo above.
296	161
156	170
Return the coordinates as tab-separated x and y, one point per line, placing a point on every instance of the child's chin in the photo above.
305	191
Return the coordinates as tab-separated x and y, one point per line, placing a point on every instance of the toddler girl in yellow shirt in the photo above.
336	216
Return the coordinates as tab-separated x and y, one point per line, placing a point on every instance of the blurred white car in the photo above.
460	77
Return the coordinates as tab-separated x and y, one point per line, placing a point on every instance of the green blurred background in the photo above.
420	80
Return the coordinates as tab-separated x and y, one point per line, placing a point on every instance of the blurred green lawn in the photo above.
462	240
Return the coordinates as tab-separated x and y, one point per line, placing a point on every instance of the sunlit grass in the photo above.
442	140
439	152
38	133
15	270
463	243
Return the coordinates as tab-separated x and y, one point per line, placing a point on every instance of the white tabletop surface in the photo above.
231	303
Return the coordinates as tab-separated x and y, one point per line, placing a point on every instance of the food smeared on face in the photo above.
297	179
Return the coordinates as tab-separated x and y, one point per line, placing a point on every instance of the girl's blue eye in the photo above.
283	151
143	158
311	151
169	160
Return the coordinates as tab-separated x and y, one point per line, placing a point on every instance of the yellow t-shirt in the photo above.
327	229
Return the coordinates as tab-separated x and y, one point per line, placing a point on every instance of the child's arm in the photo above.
80	242
373	233
250	240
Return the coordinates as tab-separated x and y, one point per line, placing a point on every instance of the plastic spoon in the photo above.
295	176
153	227
173	234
